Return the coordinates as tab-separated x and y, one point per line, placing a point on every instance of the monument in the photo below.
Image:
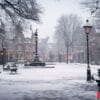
36	61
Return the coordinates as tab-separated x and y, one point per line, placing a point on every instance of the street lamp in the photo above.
87	28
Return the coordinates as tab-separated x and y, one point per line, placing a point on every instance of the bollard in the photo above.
99	73
98	92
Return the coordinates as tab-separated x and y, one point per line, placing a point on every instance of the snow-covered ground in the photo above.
64	82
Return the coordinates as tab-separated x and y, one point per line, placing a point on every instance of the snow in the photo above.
64	82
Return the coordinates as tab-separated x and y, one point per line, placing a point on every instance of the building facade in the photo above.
20	48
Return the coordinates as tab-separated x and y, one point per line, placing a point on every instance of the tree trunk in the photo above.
67	52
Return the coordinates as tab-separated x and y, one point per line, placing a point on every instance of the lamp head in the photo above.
87	27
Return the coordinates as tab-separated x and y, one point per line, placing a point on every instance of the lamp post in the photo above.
87	28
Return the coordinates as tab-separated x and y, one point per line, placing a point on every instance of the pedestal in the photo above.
37	62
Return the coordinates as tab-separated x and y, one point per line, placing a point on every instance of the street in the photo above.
64	82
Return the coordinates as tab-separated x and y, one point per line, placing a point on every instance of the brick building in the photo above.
21	48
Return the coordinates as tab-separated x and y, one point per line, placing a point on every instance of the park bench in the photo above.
13	68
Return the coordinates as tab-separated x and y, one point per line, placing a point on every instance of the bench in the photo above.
13	69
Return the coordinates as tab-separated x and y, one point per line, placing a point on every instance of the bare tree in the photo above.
66	31
59	46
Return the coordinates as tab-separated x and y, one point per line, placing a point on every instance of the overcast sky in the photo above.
52	10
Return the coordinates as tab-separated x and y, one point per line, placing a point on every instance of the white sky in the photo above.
52	10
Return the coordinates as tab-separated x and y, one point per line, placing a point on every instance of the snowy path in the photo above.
64	82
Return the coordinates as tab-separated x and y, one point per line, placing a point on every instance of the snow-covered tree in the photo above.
16	9
13	11
94	7
66	30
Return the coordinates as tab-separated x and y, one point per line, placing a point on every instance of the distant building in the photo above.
95	44
96	48
21	48
17	48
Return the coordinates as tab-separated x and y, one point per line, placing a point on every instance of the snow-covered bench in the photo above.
13	68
